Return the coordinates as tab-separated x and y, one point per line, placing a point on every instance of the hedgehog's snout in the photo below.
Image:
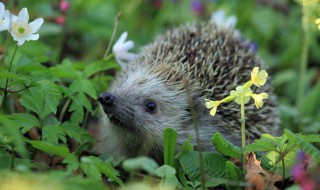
106	99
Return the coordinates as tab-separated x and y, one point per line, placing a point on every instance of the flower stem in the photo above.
243	123
304	56
6	47
283	170
112	36
5	93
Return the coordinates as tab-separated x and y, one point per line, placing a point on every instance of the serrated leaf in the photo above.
39	101
106	169
83	86
90	169
214	165
303	144
170	137
312	138
52	134
144	163
233	173
75	132
261	145
98	66
65	70
11	128
50	148
225	147
72	161
26	121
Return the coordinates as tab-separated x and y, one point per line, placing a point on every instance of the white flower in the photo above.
219	18
21	30
120	50
4	18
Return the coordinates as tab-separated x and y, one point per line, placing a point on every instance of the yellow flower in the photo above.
213	105
240	93
258	99
318	23
258	78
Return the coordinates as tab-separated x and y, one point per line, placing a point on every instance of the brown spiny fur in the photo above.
197	61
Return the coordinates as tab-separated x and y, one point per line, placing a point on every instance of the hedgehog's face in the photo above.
143	103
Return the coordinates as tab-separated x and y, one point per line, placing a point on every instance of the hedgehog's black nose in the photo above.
106	99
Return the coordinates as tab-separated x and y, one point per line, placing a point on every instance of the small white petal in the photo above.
231	21
122	38
32	37
23	16
218	17
221	20
36	24
127	45
20	42
2	8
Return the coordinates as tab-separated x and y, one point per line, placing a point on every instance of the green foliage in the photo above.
54	82
144	163
225	147
170	137
214	165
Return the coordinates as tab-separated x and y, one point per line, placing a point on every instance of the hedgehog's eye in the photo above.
151	107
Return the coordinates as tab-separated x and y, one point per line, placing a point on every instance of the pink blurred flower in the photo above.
60	20
308	185
64	6
298	173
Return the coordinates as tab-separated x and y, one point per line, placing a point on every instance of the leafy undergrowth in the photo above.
48	98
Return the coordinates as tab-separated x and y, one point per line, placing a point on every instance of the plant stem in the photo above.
5	93
196	127
6	47
304	56
283	170
112	36
12	158
243	123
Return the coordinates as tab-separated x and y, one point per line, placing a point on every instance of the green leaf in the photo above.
39	101
144	163
165	171
65	70
263	144
7	75
214	165
187	146
225	147
72	161
303	144
52	134
84	86
233	173
50	148
106	169
26	121
98	66
168	175
11	128
170	137
90	169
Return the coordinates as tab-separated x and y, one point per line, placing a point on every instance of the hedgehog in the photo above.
166	84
